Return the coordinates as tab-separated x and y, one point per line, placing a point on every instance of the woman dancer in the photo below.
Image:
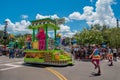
96	59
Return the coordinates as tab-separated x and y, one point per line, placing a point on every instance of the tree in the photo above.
21	41
114	37
89	37
1	36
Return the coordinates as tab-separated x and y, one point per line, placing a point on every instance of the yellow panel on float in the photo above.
35	45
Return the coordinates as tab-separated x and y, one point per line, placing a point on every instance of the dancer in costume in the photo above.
96	59
110	56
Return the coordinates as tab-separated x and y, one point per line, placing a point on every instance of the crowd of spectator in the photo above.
12	52
83	52
78	52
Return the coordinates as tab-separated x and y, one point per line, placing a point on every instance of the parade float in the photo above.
39	48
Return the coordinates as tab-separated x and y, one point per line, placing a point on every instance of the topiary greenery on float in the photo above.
56	56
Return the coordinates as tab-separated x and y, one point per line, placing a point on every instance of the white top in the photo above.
109	50
114	50
76	49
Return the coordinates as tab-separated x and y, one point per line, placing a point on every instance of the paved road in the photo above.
84	70
15	69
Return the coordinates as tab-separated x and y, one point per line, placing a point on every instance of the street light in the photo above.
117	23
5	33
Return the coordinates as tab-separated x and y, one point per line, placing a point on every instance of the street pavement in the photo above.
15	69
84	70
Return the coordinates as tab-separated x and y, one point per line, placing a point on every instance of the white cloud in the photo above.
67	19
102	14
54	16
87	14
21	27
64	28
17	27
24	16
65	31
39	16
75	16
69	34
1	27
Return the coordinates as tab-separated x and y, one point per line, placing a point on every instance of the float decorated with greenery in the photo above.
39	49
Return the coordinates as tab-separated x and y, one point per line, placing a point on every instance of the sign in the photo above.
60	21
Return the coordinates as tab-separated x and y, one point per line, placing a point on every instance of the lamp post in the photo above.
5	33
117	23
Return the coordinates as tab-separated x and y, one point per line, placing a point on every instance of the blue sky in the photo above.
15	8
78	13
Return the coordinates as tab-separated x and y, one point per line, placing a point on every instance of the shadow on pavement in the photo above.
86	60
43	65
93	74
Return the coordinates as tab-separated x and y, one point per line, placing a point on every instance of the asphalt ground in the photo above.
16	69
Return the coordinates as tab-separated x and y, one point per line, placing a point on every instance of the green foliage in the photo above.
99	34
21	40
89	37
3	41
114	37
